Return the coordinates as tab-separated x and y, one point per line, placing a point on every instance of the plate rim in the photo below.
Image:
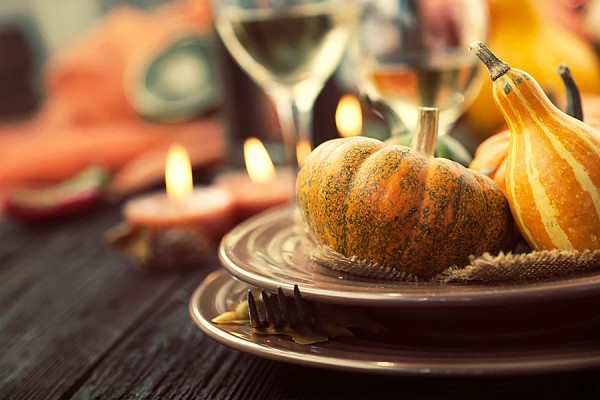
520	367
507	295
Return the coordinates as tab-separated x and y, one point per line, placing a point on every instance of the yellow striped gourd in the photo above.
553	169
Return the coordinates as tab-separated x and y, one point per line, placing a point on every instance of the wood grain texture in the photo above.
65	300
77	322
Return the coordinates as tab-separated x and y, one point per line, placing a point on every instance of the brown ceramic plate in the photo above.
404	352
267	251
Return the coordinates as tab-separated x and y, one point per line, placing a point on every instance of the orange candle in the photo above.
207	208
261	186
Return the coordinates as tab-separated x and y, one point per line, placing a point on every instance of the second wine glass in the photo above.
413	53
290	48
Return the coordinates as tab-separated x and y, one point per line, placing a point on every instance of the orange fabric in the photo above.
54	153
85	83
87	119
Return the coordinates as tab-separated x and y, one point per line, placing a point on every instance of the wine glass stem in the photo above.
295	124
303	121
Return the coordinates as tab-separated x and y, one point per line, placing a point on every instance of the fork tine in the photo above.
291	309
270	309
305	311
253	311
284	306
277	314
300	306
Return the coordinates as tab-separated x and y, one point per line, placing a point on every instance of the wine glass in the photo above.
289	48
413	53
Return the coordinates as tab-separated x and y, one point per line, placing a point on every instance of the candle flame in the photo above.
178	172
348	116
303	150
258	163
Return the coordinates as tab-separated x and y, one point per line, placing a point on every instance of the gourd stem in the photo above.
574	107
496	66
425	138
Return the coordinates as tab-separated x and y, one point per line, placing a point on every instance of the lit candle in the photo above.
348	116
303	150
206	208
262	186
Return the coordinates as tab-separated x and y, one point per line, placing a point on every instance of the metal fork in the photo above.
277	310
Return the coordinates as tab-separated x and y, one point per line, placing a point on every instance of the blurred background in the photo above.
113	83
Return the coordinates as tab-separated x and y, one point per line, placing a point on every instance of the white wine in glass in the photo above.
413	53
290	48
407	86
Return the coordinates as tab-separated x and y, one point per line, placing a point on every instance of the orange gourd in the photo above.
400	207
490	157
553	167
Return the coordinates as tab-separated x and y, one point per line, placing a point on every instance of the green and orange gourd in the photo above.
400	207
553	165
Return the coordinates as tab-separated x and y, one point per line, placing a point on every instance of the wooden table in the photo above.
78	322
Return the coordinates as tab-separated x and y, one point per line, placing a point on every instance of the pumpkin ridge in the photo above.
405	251
457	199
487	203
405	261
452	202
489	223
343	246
392	163
351	160
313	163
325	198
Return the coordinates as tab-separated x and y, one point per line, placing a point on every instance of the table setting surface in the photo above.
79	322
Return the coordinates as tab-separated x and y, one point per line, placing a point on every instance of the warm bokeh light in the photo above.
258	163
303	149
348	116
178	172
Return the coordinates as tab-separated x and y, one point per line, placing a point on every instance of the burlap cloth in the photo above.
525	267
502	268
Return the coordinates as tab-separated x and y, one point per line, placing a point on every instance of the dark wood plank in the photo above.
13	240
66	299
167	357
